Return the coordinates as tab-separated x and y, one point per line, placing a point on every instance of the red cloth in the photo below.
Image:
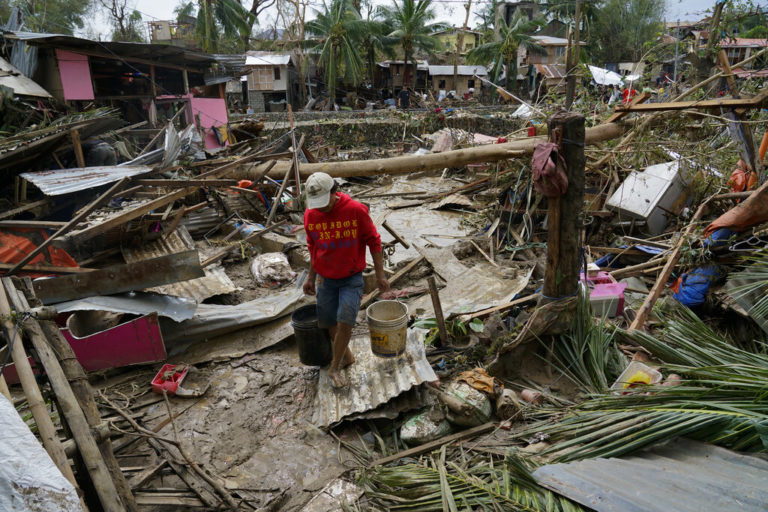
628	94
337	240
16	243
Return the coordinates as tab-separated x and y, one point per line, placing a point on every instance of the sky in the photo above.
451	11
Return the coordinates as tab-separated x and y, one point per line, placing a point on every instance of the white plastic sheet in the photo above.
604	76
29	480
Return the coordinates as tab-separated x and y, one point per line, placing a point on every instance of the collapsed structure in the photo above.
585	293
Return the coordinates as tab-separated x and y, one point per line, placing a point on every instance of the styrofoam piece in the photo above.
636	372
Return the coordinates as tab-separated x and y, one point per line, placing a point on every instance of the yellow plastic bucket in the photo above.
388	323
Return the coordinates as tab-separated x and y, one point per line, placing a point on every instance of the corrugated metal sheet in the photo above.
551	70
373	380
215	281
254	58
66	181
682	476
461	70
21	85
136	303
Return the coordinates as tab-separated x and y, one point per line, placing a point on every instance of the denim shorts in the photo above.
338	300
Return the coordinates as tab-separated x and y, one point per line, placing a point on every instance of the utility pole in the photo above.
573	59
459	46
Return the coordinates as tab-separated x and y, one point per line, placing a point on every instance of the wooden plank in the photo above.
400	273
755	102
167	269
250	238
75	134
224	169
438	309
49	269
395	235
433	445
24	208
103	198
187	183
140	479
496	309
40	224
640	98
124	217
159	500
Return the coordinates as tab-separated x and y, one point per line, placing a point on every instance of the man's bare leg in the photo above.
342	333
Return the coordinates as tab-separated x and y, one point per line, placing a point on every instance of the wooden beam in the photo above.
187	183
103	198
21	209
250	238
755	102
496	309
78	147
49	269
124	217
39	224
438	309
433	445
399	275
640	98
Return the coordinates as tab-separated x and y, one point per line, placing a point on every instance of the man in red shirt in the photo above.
338	231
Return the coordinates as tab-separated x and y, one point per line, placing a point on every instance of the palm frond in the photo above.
755	279
464	482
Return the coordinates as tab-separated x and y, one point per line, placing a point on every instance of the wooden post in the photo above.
35	400
573	61
185	77
444	342
276	200
565	221
101	477
78	148
152	81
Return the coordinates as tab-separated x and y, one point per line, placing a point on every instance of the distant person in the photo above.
404	98
628	94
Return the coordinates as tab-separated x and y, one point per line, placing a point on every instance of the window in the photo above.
559	51
471	83
277	73
441	84
261	79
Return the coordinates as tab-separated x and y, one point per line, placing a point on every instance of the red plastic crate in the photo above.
169	383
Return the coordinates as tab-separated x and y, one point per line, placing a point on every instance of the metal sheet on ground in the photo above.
65	181
138	303
373	380
215	281
213	320
684	475
467	289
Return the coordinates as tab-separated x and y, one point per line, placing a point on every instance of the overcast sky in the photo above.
451	11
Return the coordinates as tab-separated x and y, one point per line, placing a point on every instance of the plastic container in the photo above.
480	405
601	277
607	300
531	131
167	381
388	323
314	343
425	427
636	375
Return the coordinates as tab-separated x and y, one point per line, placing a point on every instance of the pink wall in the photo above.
211	112
75	75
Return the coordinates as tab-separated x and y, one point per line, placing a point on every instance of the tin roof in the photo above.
684	476
254	58
215	281
373	380
65	181
744	42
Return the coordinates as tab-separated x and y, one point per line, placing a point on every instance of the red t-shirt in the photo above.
337	240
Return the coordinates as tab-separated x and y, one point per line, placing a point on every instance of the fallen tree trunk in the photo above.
415	163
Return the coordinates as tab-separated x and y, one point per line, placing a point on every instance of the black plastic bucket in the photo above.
315	347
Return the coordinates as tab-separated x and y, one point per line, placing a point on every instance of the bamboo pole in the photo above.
45	426
104	480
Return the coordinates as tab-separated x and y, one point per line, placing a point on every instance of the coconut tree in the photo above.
375	42
412	29
503	51
215	17
338	30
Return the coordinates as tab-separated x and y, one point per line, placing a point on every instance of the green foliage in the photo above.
338	30
56	16
503	52
413	26
221	24
464	482
622	27
757	32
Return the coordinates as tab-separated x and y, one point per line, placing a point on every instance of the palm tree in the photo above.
339	30
375	42
503	52
411	28
215	16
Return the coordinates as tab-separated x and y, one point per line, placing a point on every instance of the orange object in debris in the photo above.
16	243
763	146
753	211
742	179
245	183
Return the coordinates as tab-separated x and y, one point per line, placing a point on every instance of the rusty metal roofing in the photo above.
65	181
215	281
373	380
684	476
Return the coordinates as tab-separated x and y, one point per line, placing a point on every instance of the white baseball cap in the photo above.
318	188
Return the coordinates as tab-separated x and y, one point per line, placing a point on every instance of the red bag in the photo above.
549	178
